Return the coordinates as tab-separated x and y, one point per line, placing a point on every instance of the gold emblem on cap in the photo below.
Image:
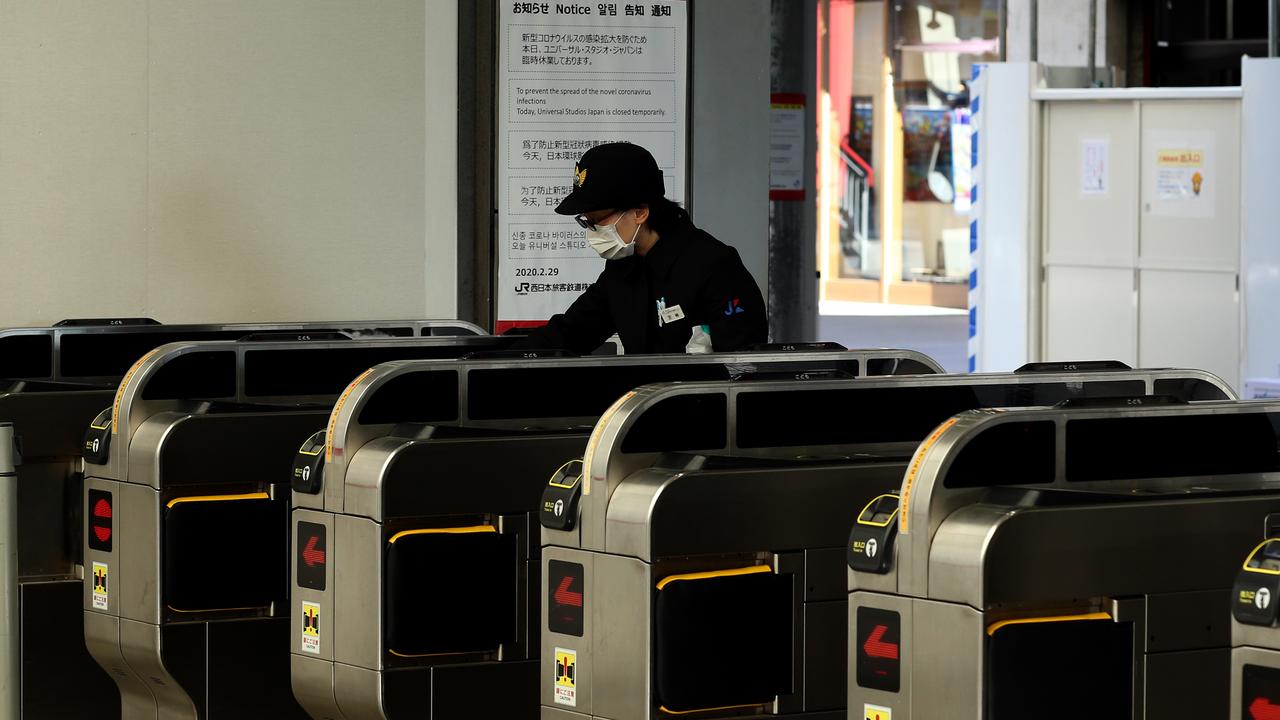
579	176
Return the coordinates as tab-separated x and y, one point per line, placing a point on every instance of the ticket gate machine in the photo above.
11	631
185	593
1066	562
53	381
423	599
705	574
1255	641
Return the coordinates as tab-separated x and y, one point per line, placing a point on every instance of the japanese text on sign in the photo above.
573	76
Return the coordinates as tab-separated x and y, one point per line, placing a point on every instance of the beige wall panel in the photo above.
73	169
440	211
287	146
236	160
1091	314
1190	320
1091	227
1201	230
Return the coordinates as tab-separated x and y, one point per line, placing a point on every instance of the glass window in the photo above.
894	150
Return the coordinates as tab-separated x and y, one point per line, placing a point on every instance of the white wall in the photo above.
1261	216
729	115
1006	253
247	159
1064	32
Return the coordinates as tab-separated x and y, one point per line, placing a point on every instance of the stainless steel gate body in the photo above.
747	479
1255	643
404	462
1107	533
195	432
53	381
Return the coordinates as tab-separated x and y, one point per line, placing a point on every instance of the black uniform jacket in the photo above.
686	273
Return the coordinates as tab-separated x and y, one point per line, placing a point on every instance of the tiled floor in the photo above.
940	333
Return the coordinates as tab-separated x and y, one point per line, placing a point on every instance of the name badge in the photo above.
671	314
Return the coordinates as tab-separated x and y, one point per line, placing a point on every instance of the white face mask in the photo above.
606	241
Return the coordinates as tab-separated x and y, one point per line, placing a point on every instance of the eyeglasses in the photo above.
588	224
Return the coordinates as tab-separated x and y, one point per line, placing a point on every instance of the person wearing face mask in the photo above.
666	285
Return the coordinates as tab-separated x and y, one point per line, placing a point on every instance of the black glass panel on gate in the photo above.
1013	453
1183	445
414	397
1189	389
227	554
790	418
26	356
581	391
112	354
326	371
898	366
450	592
1061	671
723	641
194	375
694	421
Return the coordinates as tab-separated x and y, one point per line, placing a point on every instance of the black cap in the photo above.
613	176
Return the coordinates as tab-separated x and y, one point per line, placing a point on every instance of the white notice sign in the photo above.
786	147
1095	166
572	76
1181	173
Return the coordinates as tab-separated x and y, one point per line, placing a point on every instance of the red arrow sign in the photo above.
1264	709
565	597
310	555
876	647
102	510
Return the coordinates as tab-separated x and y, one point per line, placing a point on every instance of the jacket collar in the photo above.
664	253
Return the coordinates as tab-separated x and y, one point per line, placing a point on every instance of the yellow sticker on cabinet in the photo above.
876	712
100	596
566	670
310	628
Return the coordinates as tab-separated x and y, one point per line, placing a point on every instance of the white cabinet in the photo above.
1141	227
1091	313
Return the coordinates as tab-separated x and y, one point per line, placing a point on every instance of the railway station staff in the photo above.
666	285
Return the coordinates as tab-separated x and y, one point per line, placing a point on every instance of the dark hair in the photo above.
665	216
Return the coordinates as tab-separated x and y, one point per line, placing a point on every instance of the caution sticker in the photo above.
310	627
566	670
876	712
100	596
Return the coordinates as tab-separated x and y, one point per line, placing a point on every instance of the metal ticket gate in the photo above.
10	670
1255	651
420	598
185	594
705	573
53	381
1066	563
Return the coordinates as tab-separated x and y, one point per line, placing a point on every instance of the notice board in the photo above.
572	76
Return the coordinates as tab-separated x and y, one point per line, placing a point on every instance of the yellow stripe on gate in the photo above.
218	498
664	709
749	570
996	626
444	530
